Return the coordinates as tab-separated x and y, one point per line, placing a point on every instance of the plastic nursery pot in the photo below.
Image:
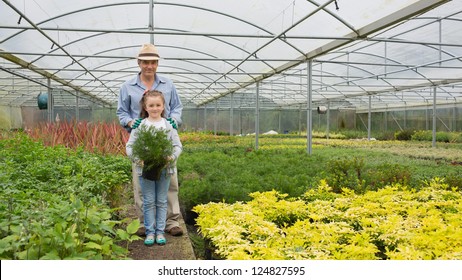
153	173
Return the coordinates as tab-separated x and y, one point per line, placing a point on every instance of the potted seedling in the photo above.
153	147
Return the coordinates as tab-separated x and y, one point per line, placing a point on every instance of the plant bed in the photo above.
392	223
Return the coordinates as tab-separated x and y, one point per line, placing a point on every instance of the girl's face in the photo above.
154	106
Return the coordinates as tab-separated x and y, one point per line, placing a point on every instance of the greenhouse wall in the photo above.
448	119
292	121
32	116
281	121
10	117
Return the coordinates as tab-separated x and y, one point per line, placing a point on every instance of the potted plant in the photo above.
153	147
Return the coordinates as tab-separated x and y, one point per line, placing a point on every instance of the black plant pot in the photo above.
153	173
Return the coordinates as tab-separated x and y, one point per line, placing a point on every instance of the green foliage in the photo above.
404	135
385	135
345	173
354	134
387	174
231	174
55	203
152	146
441	136
332	135
454	179
394	223
217	169
422	135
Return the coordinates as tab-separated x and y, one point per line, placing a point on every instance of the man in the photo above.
128	111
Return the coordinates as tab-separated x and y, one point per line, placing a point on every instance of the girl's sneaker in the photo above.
160	239
149	241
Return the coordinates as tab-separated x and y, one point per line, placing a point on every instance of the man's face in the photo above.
148	67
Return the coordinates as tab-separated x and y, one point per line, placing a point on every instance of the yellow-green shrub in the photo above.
392	223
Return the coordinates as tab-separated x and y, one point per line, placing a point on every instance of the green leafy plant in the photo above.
58	203
346	172
404	135
153	147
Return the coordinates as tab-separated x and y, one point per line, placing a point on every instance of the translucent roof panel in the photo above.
211	49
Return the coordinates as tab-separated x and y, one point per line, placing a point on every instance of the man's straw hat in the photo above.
148	52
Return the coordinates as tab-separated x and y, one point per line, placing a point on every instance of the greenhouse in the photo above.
372	64
336	124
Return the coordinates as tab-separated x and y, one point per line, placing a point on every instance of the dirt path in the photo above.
177	248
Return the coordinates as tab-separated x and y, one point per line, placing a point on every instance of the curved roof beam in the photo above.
433	83
106	32
376	39
26	65
435	46
254	53
336	17
145	2
349	64
304	86
430	82
129	75
54	43
94	35
161	3
391	19
345	97
182	48
417	72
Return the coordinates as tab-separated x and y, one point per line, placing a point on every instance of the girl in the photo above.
155	192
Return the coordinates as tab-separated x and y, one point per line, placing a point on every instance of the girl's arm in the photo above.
177	146
128	146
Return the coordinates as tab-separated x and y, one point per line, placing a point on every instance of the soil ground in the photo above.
177	247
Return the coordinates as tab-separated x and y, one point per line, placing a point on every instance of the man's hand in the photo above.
172	121
134	123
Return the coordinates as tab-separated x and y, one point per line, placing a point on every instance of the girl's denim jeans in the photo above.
155	203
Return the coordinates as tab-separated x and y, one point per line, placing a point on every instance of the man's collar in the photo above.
137	79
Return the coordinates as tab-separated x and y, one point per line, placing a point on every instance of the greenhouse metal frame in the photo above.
370	57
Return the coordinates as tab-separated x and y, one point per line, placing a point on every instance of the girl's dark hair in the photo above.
152	93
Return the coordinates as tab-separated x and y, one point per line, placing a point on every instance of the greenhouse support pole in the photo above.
434	119
405	116
385	123
215	120
231	115
77	99
257	115
240	116
50	101
309	113
300	106
300	120
196	125
279	120
151	21
369	119
205	118
328	120
454	117
426	117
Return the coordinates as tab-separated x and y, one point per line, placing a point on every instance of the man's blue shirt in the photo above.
128	107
